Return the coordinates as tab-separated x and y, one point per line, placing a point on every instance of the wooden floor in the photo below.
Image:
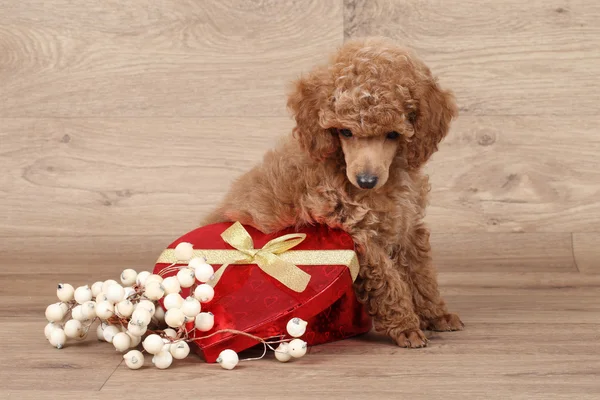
122	123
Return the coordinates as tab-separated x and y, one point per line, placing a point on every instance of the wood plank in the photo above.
125	176
517	174
80	255
493	252
517	339
29	361
509	252
491	389
501	57
497	297
493	174
586	249
171	58
539	328
417	375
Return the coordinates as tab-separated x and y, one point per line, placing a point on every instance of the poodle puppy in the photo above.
365	124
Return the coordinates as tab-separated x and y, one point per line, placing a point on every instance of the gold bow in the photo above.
266	258
275	258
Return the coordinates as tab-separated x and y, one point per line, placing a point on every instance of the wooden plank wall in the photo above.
122	123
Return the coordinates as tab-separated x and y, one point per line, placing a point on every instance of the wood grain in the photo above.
123	176
540	330
586	249
123	123
168	58
517	174
491	252
68	254
36	264
152	176
508	57
29	361
451	253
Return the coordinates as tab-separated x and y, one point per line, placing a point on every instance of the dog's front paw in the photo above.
445	323
412	338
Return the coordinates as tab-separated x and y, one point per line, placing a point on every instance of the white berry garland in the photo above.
131	317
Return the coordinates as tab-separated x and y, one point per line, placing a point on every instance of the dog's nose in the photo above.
366	181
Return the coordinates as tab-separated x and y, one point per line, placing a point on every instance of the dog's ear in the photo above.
309	102
431	121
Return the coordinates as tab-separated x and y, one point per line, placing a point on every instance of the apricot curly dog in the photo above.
365	125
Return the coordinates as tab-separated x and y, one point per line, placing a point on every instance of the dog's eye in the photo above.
412	117
392	135
345	132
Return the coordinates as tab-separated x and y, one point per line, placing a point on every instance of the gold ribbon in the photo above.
275	258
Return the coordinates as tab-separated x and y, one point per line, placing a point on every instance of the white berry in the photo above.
179	350
203	271
228	359
296	327
171	285
58	338
121	341
297	348
134	359
83	294
153	344
49	328
73	329
135	340
101	297
97	288
175	318
128	277
77	313
147	305
141	316
204	293
154	290
172	333
173	300
186	277
105	310
184	251
136	330
65	292
159	316
109	332
124	308
190	307
88	310
141	278
129	291
115	293
100	331
205	321
106	284
162	360
195	262
153	278
282	353
55	313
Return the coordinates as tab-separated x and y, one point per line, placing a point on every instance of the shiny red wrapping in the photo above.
249	300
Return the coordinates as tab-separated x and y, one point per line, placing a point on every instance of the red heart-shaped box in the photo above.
249	300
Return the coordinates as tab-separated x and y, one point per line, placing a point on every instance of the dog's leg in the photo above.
428	303
387	296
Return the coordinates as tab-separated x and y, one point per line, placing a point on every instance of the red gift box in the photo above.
250	300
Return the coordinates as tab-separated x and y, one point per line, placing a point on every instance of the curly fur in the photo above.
371	87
